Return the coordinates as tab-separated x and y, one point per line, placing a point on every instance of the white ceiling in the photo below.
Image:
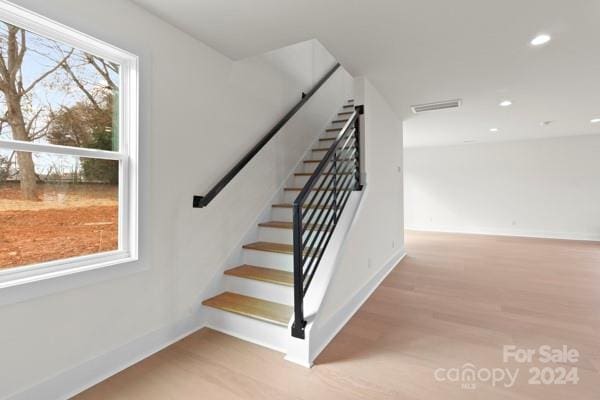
431	50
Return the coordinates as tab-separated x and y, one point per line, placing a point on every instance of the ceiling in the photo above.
431	50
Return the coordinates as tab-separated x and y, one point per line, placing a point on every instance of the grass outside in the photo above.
67	221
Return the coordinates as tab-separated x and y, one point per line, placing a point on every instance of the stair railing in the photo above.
203	201
317	209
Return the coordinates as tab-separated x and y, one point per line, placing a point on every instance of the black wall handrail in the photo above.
318	206
203	201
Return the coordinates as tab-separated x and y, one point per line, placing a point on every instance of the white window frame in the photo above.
127	155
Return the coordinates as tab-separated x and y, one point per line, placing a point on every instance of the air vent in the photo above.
439	105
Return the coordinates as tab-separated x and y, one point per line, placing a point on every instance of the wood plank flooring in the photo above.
455	299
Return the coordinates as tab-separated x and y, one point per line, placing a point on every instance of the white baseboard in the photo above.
514	233
335	324
72	381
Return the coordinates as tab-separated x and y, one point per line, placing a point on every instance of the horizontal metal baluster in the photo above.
314	262
331	221
319	220
316	208
311	202
320	211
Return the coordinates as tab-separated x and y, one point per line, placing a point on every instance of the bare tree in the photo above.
104	69
13	49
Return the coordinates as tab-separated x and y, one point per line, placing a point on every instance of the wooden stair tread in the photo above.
327	148
290	205
349	106
298	189
338	121
262	274
272	247
346	112
333	129
289	225
252	307
327	173
326	139
318	161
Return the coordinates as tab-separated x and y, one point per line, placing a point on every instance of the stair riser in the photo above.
262	290
284	262
285	214
339	124
302	180
311	167
281	214
290	196
276	235
262	333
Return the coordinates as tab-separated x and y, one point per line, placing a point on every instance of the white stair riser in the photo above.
262	290
321	196
285	214
301	180
290	195
275	235
311	167
339	124
281	214
284	262
252	330
285	236
318	155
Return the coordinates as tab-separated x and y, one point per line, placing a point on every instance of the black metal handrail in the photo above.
203	201
317	209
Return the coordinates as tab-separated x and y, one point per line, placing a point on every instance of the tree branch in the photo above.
32	121
102	71
45	75
80	85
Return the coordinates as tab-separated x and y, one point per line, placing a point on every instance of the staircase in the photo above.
258	297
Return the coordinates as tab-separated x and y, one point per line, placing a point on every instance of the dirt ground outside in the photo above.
67	221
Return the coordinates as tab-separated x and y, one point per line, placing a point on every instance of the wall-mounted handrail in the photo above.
203	201
317	209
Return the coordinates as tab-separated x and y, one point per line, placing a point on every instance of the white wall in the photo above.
375	240
542	188
199	113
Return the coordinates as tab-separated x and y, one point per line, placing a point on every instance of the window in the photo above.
68	150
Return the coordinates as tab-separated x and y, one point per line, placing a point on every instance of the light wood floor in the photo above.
455	299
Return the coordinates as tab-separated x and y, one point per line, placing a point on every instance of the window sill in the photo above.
25	283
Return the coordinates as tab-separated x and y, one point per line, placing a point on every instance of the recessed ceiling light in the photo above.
494	130
505	103
540	40
595	120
